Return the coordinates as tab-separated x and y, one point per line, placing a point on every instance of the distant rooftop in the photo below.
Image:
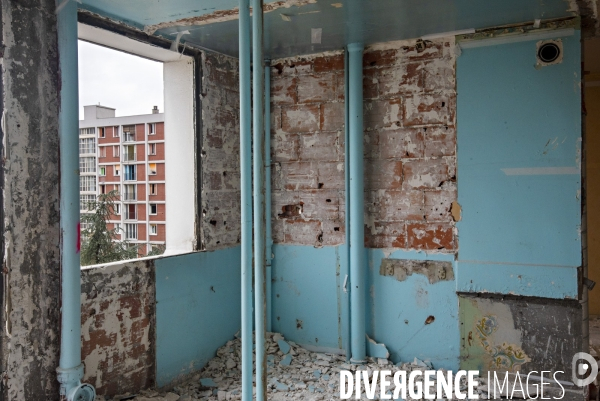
96	112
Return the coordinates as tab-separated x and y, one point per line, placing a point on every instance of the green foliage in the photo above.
98	243
157	250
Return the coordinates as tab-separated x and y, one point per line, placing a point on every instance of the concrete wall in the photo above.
31	258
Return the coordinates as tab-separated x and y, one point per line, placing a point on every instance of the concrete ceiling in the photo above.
289	23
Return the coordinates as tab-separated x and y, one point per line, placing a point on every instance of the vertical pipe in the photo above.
259	196
246	198
70	371
346	272
268	233
357	238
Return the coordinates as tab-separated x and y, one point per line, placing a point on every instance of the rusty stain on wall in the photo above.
434	270
118	327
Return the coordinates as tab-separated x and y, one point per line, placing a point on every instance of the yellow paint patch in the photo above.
337	5
456	211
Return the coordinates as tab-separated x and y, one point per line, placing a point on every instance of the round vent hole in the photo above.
549	52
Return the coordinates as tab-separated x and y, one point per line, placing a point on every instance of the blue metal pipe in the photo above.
246	198
268	228
346	270
357	237
70	371
258	80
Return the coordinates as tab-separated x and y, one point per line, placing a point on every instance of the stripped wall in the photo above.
220	160
118	324
410	147
30	219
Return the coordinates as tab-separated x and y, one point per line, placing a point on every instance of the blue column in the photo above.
259	196
268	232
246	195
356	178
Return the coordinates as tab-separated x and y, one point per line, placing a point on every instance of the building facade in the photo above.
126	154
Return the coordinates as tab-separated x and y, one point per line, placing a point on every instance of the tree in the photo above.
98	243
157	250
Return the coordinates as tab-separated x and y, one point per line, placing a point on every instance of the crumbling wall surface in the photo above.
220	151
410	147
31	321
118	327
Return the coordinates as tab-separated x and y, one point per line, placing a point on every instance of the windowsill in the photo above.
167	254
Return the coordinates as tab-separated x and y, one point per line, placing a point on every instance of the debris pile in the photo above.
292	371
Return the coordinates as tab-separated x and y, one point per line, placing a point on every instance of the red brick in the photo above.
386	235
432	51
379	58
430	236
439	75
328	63
331	175
437	205
387	206
422	174
382	113
304	118
317	88
321	146
428	109
283	90
401	143
333	116
383	174
440	141
405	78
304	232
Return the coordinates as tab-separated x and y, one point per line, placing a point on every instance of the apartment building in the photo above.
126	154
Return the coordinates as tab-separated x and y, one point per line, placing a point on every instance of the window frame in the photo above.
150	206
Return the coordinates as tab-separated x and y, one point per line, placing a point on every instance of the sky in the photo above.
132	85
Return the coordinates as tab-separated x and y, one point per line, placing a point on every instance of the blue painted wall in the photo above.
197	309
307	287
520	229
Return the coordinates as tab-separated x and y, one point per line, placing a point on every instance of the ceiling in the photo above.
288	29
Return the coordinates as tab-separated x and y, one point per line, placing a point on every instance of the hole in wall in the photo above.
548	52
321	185
213	222
430	319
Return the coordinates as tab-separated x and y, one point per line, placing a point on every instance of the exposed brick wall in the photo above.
220	152
118	327
307	128
410	148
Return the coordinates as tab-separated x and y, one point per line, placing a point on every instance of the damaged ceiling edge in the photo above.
588	11
223	15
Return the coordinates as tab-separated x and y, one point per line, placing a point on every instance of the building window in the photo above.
87	131
102	171
129	192
151	148
153	208
101	132
115	132
129	153
153	229
153	190
130	211
129	172
152	169
87	164
87	183
85	200
117	209
103	189
130	231
151	129
117	170
128	133
102	151
87	146
118	228
116	151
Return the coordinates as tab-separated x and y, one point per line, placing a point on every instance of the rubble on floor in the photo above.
292	372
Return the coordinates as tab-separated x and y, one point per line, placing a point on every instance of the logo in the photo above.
580	368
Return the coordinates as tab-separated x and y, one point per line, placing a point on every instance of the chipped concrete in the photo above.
434	270
30	342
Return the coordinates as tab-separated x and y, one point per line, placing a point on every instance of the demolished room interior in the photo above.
362	182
